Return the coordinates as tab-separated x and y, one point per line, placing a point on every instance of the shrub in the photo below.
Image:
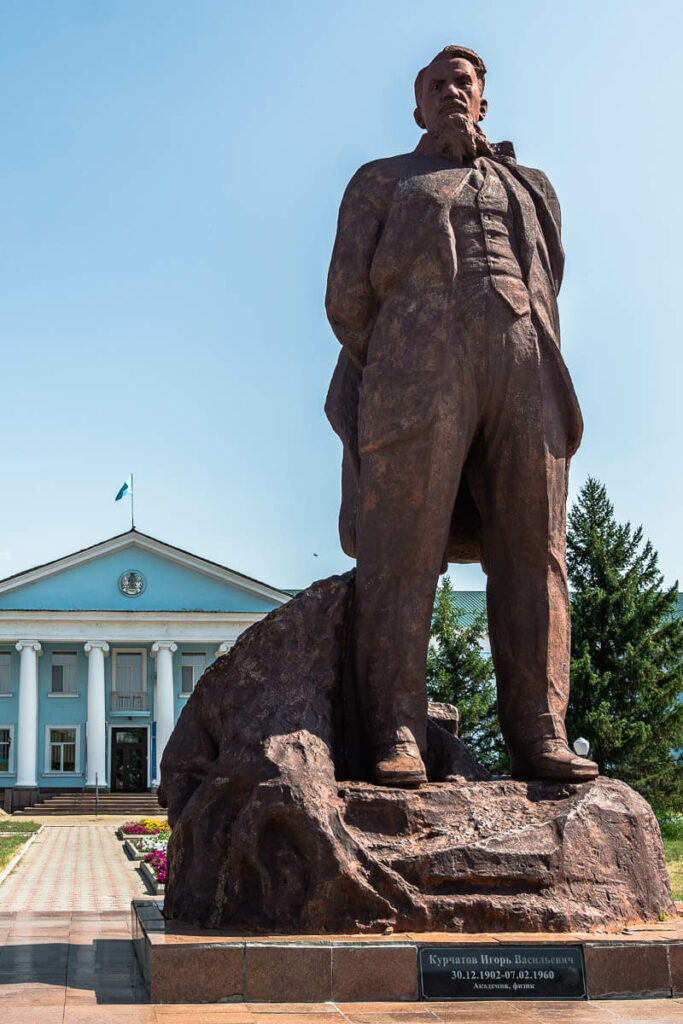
671	825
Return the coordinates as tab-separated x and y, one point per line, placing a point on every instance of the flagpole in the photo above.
132	503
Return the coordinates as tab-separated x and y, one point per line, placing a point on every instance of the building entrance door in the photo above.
128	760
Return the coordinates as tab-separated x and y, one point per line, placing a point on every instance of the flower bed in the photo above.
152	844
157	862
132	850
146	840
145	827
138	847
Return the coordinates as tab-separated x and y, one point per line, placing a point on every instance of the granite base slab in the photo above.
184	964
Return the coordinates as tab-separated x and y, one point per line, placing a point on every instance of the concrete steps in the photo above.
134	804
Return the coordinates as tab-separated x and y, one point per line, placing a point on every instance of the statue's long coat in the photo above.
391	302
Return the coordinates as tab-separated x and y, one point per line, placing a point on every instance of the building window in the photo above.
62	748
129	690
64	679
129	672
191	668
5	673
6	738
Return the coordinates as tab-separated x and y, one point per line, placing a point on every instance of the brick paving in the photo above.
66	957
72	868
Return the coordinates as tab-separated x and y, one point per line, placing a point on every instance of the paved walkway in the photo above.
59	966
69	868
66	956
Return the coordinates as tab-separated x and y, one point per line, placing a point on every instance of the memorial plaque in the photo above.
502	972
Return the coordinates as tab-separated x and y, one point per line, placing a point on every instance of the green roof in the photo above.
474	601
471	602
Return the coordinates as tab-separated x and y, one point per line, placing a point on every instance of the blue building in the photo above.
98	653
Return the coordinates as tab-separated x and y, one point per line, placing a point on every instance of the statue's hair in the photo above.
450	53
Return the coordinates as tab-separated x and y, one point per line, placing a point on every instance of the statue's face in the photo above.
450	91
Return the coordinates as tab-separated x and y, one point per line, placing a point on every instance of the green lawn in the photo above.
18	825
8	847
673	849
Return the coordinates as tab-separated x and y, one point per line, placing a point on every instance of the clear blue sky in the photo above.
169	185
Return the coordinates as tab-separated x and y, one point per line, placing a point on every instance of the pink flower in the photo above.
158	864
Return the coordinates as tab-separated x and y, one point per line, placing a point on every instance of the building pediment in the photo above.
136	573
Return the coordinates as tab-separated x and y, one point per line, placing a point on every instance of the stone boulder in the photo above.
276	829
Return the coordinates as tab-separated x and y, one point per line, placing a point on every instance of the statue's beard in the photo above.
461	139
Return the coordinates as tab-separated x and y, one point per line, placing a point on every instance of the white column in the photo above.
163	651
96	727
27	739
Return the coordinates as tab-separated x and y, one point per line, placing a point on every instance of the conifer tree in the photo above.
627	652
459	673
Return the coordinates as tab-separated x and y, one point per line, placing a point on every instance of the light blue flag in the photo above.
127	488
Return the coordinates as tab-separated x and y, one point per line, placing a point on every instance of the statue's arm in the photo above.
550	218
555	243
553	202
350	301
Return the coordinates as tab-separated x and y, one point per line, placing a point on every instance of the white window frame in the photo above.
10	692
191	654
77	758
10	767
63	693
114	665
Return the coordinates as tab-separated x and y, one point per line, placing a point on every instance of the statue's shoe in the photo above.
399	765
554	761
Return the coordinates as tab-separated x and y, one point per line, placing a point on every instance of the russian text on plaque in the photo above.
502	972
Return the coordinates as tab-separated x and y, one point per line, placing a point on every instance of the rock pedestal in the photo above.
270	836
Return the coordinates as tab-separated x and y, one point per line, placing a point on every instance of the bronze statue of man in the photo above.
458	419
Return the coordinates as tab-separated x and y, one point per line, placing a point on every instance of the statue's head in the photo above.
449	91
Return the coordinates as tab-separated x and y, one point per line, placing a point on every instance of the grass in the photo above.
8	847
671	826
18	825
673	850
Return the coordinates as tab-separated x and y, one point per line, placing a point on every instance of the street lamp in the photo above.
582	746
